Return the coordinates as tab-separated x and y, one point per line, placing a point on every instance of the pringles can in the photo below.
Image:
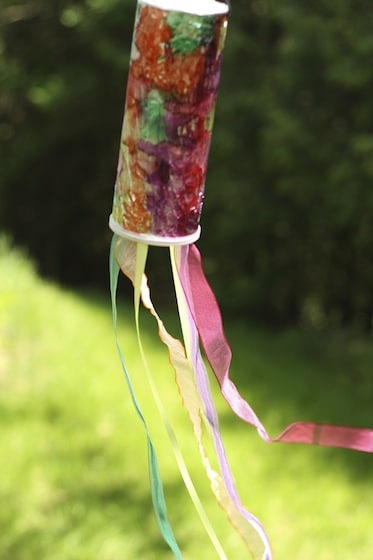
173	79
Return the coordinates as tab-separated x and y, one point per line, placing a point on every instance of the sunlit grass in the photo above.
74	482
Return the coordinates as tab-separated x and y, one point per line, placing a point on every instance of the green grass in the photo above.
74	482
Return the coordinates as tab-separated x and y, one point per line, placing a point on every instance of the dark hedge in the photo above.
287	222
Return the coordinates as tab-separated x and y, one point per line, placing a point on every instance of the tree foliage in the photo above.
64	67
287	227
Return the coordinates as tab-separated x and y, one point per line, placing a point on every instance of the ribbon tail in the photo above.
132	257
207	317
159	503
246	524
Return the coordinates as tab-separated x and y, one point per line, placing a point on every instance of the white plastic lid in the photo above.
197	7
150	239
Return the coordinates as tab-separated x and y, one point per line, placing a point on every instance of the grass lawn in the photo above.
74	482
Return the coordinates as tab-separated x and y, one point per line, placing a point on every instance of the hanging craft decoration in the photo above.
176	56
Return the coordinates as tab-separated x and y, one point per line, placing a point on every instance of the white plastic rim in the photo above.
196	7
155	240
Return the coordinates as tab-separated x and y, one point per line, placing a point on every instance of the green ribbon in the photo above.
159	503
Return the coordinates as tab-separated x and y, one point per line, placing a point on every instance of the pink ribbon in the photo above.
207	317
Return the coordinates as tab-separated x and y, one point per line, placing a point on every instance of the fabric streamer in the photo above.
132	262
176	57
155	479
207	319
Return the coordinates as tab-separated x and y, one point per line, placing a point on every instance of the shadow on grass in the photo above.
110	515
128	510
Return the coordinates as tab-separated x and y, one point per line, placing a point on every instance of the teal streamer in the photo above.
159	503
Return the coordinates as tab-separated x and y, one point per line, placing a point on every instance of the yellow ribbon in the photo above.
131	258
